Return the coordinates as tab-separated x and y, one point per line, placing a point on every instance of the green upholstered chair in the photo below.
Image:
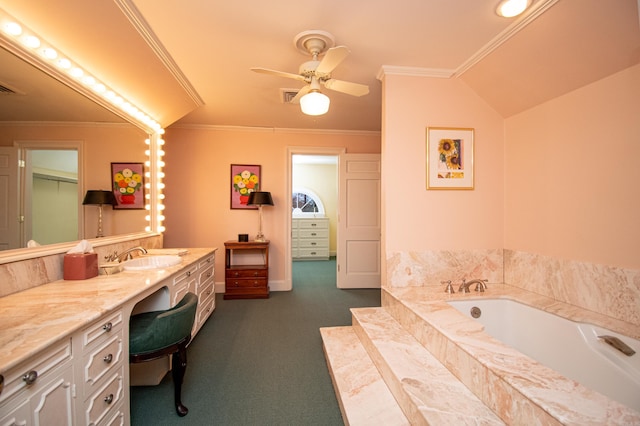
153	335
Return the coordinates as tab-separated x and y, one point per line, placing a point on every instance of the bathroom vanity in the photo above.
65	344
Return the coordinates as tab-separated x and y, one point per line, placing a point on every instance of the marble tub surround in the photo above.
34	319
20	275
608	290
518	389
429	268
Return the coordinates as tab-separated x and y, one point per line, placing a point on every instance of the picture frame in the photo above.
245	178
127	184
450	152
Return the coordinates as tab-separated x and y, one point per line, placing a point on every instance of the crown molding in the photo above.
140	24
218	128
413	72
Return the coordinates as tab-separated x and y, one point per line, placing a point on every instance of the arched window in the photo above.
305	202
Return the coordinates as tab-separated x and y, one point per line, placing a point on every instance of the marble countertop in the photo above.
34	319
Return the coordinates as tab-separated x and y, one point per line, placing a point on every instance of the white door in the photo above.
9	226
359	221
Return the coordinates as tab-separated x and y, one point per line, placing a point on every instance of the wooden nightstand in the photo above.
246	281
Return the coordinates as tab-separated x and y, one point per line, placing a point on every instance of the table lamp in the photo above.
260	198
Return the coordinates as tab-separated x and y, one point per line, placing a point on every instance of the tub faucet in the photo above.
481	285
125	255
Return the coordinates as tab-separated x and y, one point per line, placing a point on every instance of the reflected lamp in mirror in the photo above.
99	198
260	198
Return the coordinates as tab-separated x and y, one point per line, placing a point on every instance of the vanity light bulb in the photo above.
147	174
147	207
160	142
49	53
161	196
99	87
160	207
64	63
147	196
160	217
147	141
147	153
31	41
161	228
160	163
147	163
160	152
147	218
12	29
160	175
76	72
160	185
147	185
147	228
88	80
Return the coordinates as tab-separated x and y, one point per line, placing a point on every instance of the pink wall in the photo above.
103	144
419	219
197	181
572	178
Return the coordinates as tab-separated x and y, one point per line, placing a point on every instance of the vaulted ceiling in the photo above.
189	62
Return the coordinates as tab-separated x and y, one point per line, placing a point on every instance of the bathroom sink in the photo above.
144	263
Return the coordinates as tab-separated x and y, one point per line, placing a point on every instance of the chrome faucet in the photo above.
125	255
481	285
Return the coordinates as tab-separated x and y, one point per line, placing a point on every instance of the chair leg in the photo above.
179	365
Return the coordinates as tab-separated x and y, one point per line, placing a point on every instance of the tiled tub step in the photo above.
425	389
362	394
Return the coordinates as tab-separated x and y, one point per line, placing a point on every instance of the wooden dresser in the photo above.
243	280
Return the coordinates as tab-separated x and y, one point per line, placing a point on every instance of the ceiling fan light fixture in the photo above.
314	103
511	8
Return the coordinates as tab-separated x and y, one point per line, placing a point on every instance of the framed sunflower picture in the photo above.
449	158
244	180
127	181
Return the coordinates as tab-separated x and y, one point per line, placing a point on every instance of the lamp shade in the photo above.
260	198
97	197
314	103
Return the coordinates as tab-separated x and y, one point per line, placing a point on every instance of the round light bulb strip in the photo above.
26	42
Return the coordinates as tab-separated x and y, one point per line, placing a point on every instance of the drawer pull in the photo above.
313	244
236	274
107	327
209	260
109	398
313	234
313	253
188	273
209	274
313	224
108	358
255	274
208	292
30	377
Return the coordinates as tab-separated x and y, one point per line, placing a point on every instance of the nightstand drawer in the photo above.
246	283
246	273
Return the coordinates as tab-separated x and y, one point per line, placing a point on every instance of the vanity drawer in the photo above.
247	273
99	405
185	274
101	361
206	275
208	261
36	370
107	326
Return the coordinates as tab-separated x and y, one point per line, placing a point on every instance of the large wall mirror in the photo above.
40	118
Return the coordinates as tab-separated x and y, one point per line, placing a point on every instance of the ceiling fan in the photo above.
317	72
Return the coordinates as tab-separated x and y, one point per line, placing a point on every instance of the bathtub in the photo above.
571	348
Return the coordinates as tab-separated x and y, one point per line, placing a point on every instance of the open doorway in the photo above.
314	218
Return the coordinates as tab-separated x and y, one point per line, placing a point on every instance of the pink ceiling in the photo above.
171	57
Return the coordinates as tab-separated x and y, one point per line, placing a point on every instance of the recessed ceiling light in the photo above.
511	8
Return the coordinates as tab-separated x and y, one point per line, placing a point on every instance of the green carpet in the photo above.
260	361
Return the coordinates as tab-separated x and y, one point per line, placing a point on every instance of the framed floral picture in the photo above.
127	181
244	180
450	158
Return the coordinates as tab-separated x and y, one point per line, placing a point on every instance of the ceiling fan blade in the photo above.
354	89
332	59
296	99
279	74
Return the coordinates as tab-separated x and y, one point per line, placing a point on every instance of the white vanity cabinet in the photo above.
205	290
101	387
40	390
310	238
